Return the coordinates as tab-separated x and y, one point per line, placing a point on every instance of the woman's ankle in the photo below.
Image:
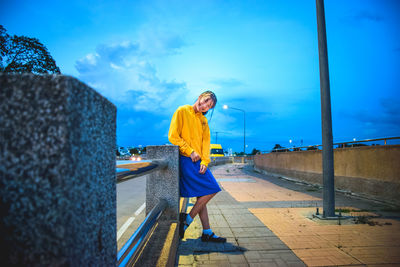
188	221
207	231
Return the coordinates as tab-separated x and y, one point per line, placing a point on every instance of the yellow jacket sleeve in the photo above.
175	133
205	157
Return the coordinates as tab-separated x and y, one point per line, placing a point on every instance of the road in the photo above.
131	196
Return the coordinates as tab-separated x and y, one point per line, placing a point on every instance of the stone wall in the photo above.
164	184
373	171
57	173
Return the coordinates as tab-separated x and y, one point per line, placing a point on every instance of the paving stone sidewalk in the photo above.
268	222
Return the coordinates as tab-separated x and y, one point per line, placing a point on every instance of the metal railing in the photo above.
129	252
139	169
338	144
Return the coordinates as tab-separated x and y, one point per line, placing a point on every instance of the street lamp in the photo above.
244	126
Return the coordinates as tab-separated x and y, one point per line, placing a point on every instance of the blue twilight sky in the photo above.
149	57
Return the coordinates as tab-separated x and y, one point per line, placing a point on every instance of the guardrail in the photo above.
162	197
338	144
130	250
140	169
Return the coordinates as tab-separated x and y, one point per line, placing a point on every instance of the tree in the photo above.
22	54
255	151
134	151
279	148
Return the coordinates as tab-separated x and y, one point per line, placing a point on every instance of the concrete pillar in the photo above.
164	184
57	173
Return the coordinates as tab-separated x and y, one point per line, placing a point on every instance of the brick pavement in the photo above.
269	222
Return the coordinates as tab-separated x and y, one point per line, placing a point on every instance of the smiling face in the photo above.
204	103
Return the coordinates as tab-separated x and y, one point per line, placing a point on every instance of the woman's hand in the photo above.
203	169
194	156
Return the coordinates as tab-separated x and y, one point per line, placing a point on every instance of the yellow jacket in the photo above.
190	131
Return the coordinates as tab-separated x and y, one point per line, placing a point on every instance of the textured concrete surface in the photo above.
269	221
220	161
164	184
57	173
371	170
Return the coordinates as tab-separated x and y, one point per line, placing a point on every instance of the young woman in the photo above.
189	130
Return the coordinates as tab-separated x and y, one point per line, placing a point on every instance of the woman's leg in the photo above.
200	204
203	214
201	209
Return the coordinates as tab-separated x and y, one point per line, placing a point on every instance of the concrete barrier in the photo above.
225	160
164	184
220	160
57	182
373	171
160	249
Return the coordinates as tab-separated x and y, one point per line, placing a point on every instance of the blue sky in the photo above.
149	57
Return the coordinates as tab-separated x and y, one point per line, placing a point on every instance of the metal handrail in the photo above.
140	169
286	149
129	252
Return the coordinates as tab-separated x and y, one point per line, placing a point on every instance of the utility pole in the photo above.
216	136
326	117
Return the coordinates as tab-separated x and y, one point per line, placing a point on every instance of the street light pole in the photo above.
326	117
244	126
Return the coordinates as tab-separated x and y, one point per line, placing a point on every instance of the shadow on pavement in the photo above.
188	246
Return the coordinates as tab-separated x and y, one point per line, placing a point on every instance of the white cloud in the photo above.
112	65
125	74
91	59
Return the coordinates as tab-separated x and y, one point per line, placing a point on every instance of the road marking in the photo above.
123	228
140	209
128	222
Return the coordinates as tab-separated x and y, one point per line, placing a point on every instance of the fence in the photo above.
338	144
162	202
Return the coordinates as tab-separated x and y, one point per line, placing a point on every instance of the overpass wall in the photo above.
373	171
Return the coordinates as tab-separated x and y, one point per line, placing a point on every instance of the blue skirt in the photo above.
192	183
